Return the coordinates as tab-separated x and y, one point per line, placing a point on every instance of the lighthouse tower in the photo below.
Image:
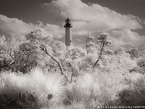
68	37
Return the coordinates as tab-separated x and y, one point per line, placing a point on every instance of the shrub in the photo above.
17	100
35	88
131	96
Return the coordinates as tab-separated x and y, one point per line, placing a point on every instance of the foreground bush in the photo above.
44	90
28	91
131	96
18	100
135	95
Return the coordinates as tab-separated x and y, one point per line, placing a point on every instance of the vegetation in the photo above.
42	73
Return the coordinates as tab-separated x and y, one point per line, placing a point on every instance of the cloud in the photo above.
94	18
125	37
56	30
89	17
18	28
14	26
86	19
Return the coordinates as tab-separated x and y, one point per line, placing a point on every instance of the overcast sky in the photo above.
123	20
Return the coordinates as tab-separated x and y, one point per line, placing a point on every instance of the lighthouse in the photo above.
68	37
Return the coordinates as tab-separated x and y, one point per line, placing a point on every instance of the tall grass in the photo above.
43	88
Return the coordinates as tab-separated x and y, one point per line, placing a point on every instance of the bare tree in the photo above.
103	40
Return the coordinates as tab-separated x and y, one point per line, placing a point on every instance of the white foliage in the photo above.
37	83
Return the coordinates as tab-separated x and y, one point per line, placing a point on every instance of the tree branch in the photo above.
87	45
101	51
43	48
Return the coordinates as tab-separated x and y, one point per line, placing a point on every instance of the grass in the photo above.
41	90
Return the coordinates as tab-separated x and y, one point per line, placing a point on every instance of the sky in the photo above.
123	20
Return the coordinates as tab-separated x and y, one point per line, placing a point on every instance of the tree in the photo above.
103	40
41	45
8	49
74	53
29	54
59	65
